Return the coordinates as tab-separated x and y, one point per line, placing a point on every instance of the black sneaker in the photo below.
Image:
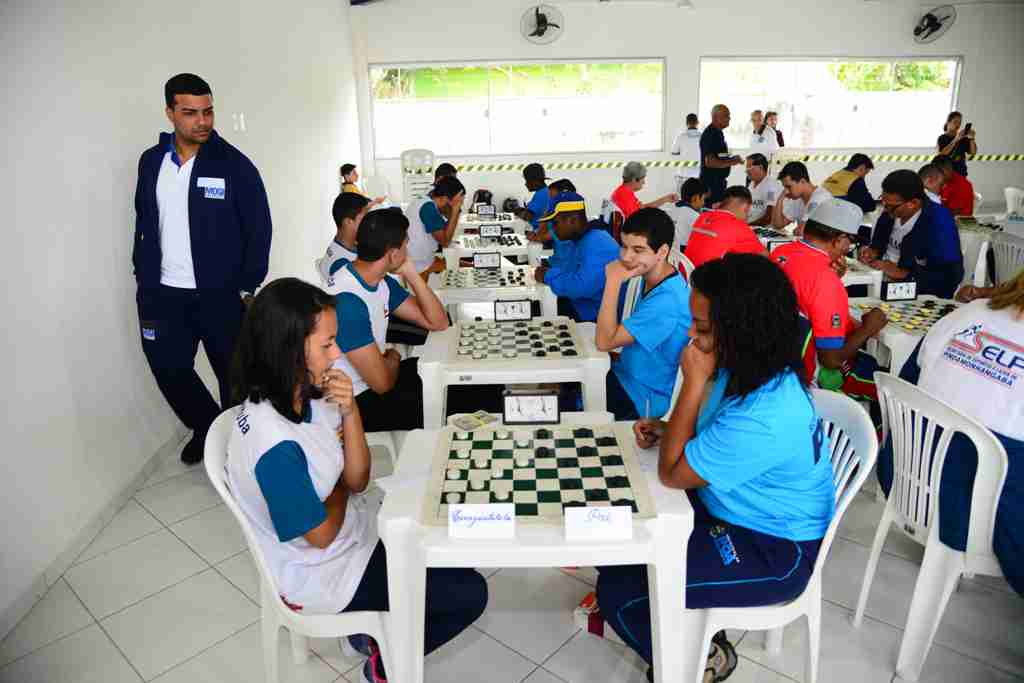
193	451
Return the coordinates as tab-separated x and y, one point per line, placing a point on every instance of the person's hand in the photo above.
874	320
457	201
617	271
867	255
407	270
648	431
889	268
737	160
970	134
392	355
698	365
534	236
539	272
378	200
337	389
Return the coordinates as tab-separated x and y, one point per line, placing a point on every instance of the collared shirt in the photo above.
687	145
797	210
717	233
764	195
172	188
820	293
336	257
932	196
684	216
899	231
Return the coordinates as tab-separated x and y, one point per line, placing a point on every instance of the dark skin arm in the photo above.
871	324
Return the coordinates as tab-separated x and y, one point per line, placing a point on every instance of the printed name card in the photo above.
598	523
482	521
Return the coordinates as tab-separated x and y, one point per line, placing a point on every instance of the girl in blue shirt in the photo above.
752	456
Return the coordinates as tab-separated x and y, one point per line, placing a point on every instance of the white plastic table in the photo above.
460	248
451	296
859	274
659	542
438	370
893	344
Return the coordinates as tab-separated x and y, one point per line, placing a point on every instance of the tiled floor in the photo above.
168	592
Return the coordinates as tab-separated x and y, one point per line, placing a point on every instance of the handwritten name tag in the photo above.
482	521
598	523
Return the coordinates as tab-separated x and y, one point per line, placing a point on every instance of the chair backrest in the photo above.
634	289
853	450
681	262
1008	251
417	173
215	456
1014	200
912	417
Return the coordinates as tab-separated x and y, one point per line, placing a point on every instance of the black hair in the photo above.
858	160
737	192
691	188
929	170
755	320
654	224
795	171
758	159
954	115
448	186
444	170
184	84
563	185
943	162
347	168
270	355
691	119
379	231
813	228
348	205
904	183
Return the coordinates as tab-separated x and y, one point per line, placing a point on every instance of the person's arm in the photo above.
254	222
378	370
444	235
712	161
536	208
951	146
973	146
664	199
828	311
674	470
610	333
584	277
944	262
767	217
337	388
355	339
423	308
779	218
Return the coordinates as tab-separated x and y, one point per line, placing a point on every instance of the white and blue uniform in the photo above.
659	322
363	313
687	145
336	257
424	219
280	473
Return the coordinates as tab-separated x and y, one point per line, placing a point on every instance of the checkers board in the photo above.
474	242
541	471
536	340
912	316
470	278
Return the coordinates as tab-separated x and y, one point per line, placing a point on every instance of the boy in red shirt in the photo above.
957	191
833	358
724	230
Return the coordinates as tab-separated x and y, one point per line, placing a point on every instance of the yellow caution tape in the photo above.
679	163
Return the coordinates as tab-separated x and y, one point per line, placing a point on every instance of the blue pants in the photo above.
455	598
726	566
172	322
565	308
618	401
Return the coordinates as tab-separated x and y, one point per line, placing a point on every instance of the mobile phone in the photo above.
967	128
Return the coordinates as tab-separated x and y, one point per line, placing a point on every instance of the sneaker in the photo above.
373	670
193	451
359	646
721	661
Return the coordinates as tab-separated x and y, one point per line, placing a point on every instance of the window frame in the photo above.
517	62
954	104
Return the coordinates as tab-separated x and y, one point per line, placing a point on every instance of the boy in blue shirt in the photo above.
640	381
577	279
753	459
536	182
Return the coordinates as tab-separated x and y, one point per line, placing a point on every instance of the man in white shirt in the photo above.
764	190
687	145
800	199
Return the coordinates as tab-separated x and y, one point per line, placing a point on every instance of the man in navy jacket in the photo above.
915	239
202	243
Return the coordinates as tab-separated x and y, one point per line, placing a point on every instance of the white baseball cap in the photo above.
838	214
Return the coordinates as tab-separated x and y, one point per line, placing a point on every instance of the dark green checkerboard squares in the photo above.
549	497
482	445
565	443
526	509
611	460
587	472
596	494
547	474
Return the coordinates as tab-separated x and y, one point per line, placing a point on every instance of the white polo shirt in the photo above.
683	217
974	359
797	210
172	187
899	231
687	146
336	257
767	143
363	313
280	473
765	194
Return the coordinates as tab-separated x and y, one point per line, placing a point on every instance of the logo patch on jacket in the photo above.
836	320
213	188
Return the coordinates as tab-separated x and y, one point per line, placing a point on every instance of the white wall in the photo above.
987	36
83	96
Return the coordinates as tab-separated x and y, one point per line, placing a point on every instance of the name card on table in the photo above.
482	521
598	523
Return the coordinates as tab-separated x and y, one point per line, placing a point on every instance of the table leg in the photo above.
434	394
407	597
669	619
548	302
594	395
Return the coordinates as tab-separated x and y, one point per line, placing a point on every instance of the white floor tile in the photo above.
214	534
474	656
587	658
58	614
175	499
130	523
241	571
177	624
530	610
980	622
85	657
239	659
329	651
543	676
946	666
132	572
861	521
171	466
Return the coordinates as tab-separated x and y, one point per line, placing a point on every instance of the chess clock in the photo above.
487	260
490	230
486	210
511	311
526	407
899	290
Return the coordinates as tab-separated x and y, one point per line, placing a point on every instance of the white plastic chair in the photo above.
854	449
978	199
913	506
274	614
417	173
681	262
1009	256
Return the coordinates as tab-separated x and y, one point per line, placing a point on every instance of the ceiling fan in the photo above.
542	24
